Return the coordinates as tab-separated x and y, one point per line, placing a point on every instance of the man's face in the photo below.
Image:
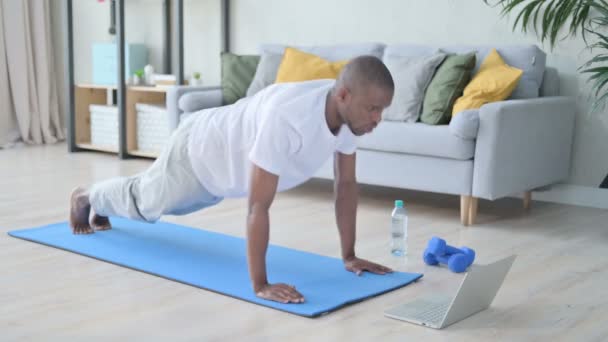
361	109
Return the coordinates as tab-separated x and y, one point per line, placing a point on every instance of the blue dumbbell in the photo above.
457	259
459	262
438	246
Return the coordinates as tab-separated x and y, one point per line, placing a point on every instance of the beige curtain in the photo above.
28	98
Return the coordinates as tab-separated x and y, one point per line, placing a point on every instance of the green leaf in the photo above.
524	15
599	85
594	70
547	19
596	59
599	102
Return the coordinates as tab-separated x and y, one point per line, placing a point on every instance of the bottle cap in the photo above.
399	203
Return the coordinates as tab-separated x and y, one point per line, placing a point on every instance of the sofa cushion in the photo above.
418	139
494	82
528	58
412	76
237	74
272	55
447	85
266	72
298	66
466	124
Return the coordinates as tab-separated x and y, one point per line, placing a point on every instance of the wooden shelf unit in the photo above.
138	94
85	95
80	96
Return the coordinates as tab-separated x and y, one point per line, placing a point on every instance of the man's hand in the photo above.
281	293
357	266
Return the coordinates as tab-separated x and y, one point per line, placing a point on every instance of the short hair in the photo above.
366	70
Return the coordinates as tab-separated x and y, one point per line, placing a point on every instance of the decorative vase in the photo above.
148	74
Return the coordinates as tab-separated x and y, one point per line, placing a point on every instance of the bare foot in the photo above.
79	212
98	222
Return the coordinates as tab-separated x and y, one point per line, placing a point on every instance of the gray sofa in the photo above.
505	148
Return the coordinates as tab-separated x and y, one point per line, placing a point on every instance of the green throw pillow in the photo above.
447	85
237	73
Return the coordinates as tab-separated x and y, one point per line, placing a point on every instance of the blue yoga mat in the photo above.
217	262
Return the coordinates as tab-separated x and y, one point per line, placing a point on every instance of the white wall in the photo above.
90	20
437	22
202	39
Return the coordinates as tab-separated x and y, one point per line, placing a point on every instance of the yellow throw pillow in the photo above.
299	66
494	81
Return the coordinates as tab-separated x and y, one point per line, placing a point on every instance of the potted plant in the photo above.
196	80
138	76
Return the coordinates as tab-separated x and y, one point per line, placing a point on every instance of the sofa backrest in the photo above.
529	58
550	86
271	55
332	53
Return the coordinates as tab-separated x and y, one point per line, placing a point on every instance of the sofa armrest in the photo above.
522	145
212	97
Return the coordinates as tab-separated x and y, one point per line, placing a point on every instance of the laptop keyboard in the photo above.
426	311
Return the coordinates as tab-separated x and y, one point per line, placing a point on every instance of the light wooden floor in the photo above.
556	290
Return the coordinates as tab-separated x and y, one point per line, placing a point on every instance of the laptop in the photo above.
476	292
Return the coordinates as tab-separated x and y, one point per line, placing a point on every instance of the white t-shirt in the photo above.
281	129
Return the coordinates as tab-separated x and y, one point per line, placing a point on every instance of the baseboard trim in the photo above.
578	195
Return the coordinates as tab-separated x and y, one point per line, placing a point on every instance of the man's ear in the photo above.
342	94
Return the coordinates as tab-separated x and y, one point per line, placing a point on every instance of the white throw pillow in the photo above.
412	76
265	73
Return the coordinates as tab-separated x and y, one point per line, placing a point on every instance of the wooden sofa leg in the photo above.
465	204
527	200
473	210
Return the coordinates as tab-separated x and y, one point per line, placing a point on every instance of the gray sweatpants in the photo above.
168	187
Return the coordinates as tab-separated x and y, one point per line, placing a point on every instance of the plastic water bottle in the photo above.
399	230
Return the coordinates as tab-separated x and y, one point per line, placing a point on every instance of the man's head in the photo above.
364	88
